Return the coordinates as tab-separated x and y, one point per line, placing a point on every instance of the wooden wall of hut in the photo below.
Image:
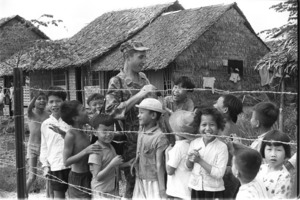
228	39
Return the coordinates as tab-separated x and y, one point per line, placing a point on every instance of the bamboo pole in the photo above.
281	105
19	132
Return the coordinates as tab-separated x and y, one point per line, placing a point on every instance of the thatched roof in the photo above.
99	37
170	35
113	28
28	24
46	53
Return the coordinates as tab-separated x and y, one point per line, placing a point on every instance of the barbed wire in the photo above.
56	179
219	91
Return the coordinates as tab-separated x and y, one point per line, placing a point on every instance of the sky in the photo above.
76	14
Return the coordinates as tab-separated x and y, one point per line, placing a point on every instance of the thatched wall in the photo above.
228	39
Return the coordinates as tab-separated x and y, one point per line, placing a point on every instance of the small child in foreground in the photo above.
149	162
275	177
180	121
208	157
245	166
104	165
264	115
76	149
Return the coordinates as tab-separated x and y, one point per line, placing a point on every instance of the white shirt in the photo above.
2	96
253	190
177	184
52	144
215	154
256	144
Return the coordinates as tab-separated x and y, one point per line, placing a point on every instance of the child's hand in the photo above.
93	148
132	166
196	157
128	163
57	130
118	160
46	171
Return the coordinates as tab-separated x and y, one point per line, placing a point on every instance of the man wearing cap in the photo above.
125	90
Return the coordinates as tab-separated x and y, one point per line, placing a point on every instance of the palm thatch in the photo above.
170	35
100	36
28	24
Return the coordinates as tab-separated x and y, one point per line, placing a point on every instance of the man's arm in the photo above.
44	148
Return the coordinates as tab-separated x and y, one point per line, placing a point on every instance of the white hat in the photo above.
151	104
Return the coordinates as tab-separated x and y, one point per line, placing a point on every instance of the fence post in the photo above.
19	132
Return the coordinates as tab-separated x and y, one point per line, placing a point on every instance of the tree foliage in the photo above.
284	49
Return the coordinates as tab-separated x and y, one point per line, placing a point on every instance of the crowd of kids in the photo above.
167	148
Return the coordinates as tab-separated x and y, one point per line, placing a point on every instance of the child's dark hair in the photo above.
274	138
248	161
57	91
158	114
217	116
234	105
40	93
68	110
267	113
185	82
105	119
95	96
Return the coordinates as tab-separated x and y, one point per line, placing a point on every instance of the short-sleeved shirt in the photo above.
253	190
177	184
108	183
277	183
148	144
187	105
120	89
214	153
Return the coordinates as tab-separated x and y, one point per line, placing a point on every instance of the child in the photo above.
208	157
264	115
104	165
230	106
76	149
245	166
36	114
149	162
95	102
180	121
52	144
276	178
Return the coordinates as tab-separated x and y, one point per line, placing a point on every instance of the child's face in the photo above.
145	117
54	103
274	155
208	125
82	116
254	121
179	93
95	105
219	105
105	134
41	102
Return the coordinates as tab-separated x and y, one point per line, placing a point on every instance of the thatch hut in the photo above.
213	42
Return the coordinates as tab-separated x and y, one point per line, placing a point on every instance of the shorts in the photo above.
33	150
83	180
56	177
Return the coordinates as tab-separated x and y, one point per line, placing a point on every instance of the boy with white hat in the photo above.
149	162
183	124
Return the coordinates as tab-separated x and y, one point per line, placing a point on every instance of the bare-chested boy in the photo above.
76	150
36	115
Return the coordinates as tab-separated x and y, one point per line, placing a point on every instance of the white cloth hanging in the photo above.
209	82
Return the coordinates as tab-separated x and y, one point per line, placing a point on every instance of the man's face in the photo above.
137	60
82	116
179	93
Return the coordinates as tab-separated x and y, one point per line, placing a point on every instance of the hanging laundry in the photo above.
234	77
266	77
209	82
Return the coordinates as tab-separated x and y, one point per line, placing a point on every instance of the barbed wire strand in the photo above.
219	91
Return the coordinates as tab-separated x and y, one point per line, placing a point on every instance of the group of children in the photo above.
192	168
